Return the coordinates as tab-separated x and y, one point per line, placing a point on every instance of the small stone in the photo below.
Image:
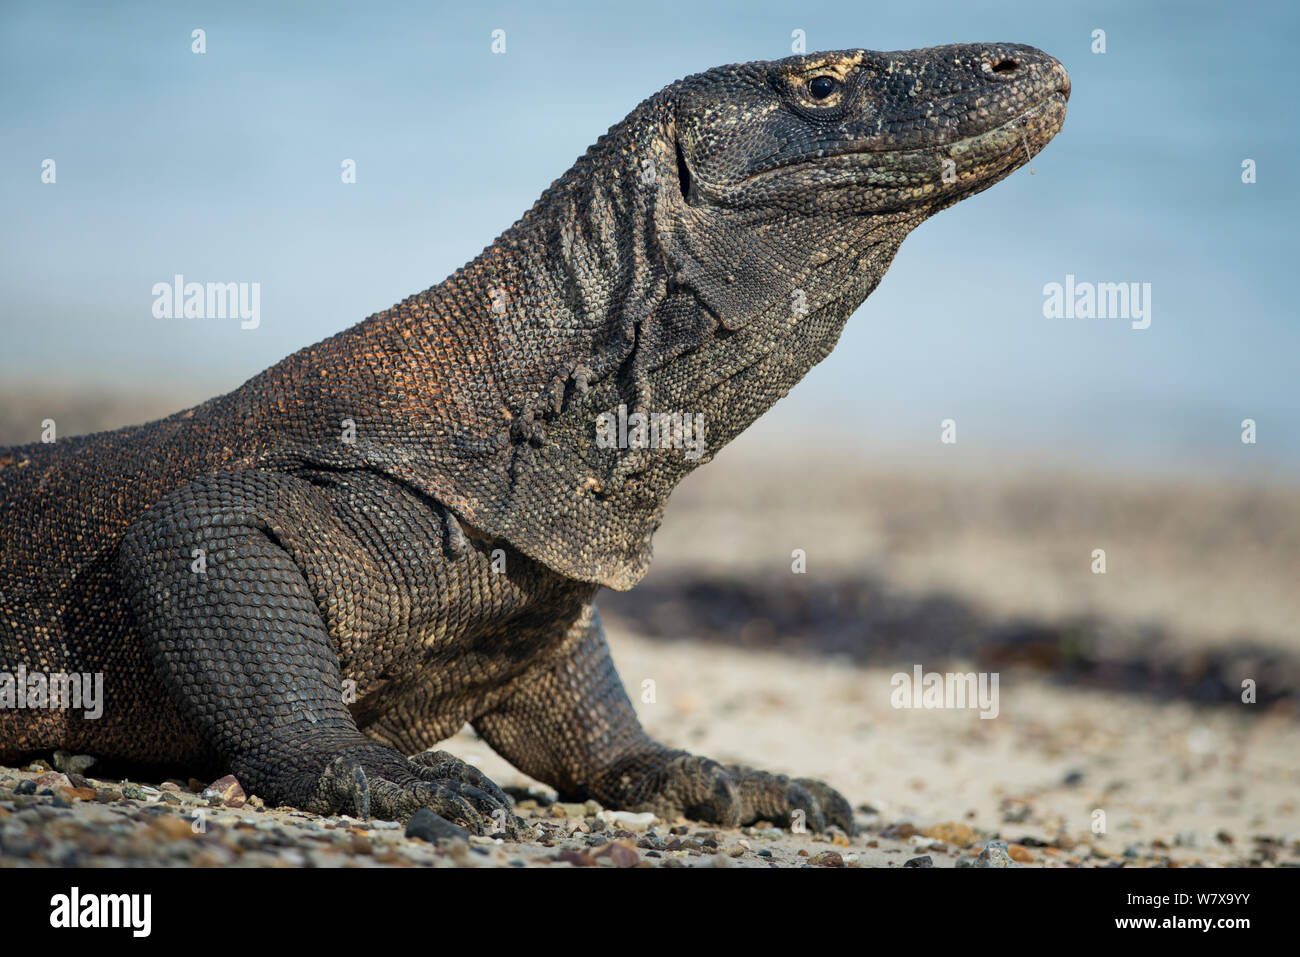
620	854
826	859
576	858
72	763
923	861
952	832
458	849
995	855
1018	852
228	790
627	819
53	779
424	825
171	827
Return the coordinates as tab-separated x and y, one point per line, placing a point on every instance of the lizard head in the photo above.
827	158
864	132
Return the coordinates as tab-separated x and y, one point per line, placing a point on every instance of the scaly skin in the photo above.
236	570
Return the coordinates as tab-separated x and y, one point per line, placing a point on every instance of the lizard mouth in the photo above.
876	165
985	158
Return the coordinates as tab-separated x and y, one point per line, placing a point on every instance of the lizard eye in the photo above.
821	87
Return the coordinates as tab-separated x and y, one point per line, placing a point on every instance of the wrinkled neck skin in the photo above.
619	283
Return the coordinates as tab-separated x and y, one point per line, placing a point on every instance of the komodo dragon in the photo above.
403	528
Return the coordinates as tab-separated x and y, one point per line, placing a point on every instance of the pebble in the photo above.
995	855
952	832
627	819
228	790
1018	852
619	854
172	827
73	763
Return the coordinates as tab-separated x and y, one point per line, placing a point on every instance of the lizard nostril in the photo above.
1005	66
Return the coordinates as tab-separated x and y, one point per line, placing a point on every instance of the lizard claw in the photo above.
374	781
735	796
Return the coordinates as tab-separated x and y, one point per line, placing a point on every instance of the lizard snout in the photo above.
1025	65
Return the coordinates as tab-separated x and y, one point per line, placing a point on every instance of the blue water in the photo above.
225	166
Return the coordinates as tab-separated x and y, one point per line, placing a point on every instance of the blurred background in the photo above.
1121	689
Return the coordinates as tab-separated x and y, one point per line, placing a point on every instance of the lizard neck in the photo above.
492	390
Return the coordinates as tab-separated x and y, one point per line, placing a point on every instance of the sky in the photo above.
225	166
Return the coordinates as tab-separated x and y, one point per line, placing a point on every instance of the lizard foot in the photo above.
377	781
735	796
